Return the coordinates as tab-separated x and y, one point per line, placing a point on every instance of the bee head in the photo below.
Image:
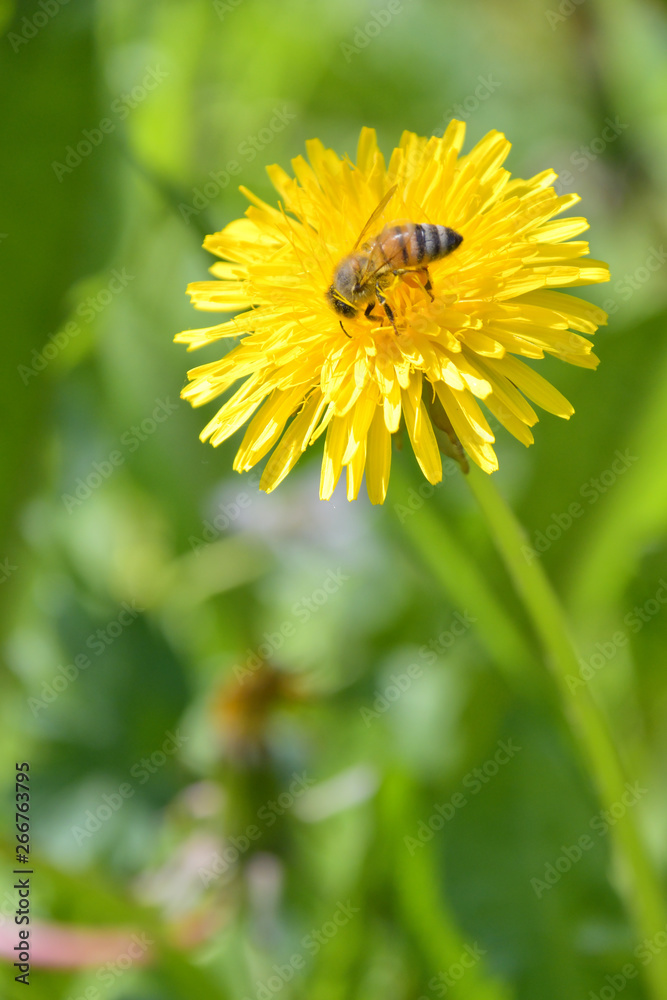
338	304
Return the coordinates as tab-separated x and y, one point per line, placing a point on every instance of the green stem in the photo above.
642	883
419	904
466	585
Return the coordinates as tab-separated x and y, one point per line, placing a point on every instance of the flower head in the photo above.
453	335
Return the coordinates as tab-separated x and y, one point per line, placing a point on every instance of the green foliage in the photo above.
149	580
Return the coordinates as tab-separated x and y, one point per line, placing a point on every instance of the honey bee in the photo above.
360	278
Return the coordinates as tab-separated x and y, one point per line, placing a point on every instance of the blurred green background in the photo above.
143	582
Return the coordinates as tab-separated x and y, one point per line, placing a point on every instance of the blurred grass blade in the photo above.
641	885
635	513
419	895
464	582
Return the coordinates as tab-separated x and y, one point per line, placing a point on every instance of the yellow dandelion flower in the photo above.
450	336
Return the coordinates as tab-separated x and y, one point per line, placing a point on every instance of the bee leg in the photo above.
343	329
427	284
368	311
387	308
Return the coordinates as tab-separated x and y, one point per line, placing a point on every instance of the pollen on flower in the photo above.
428	343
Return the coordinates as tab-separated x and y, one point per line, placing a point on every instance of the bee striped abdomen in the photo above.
433	242
416	244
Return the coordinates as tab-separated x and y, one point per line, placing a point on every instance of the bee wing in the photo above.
390	259
375	215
